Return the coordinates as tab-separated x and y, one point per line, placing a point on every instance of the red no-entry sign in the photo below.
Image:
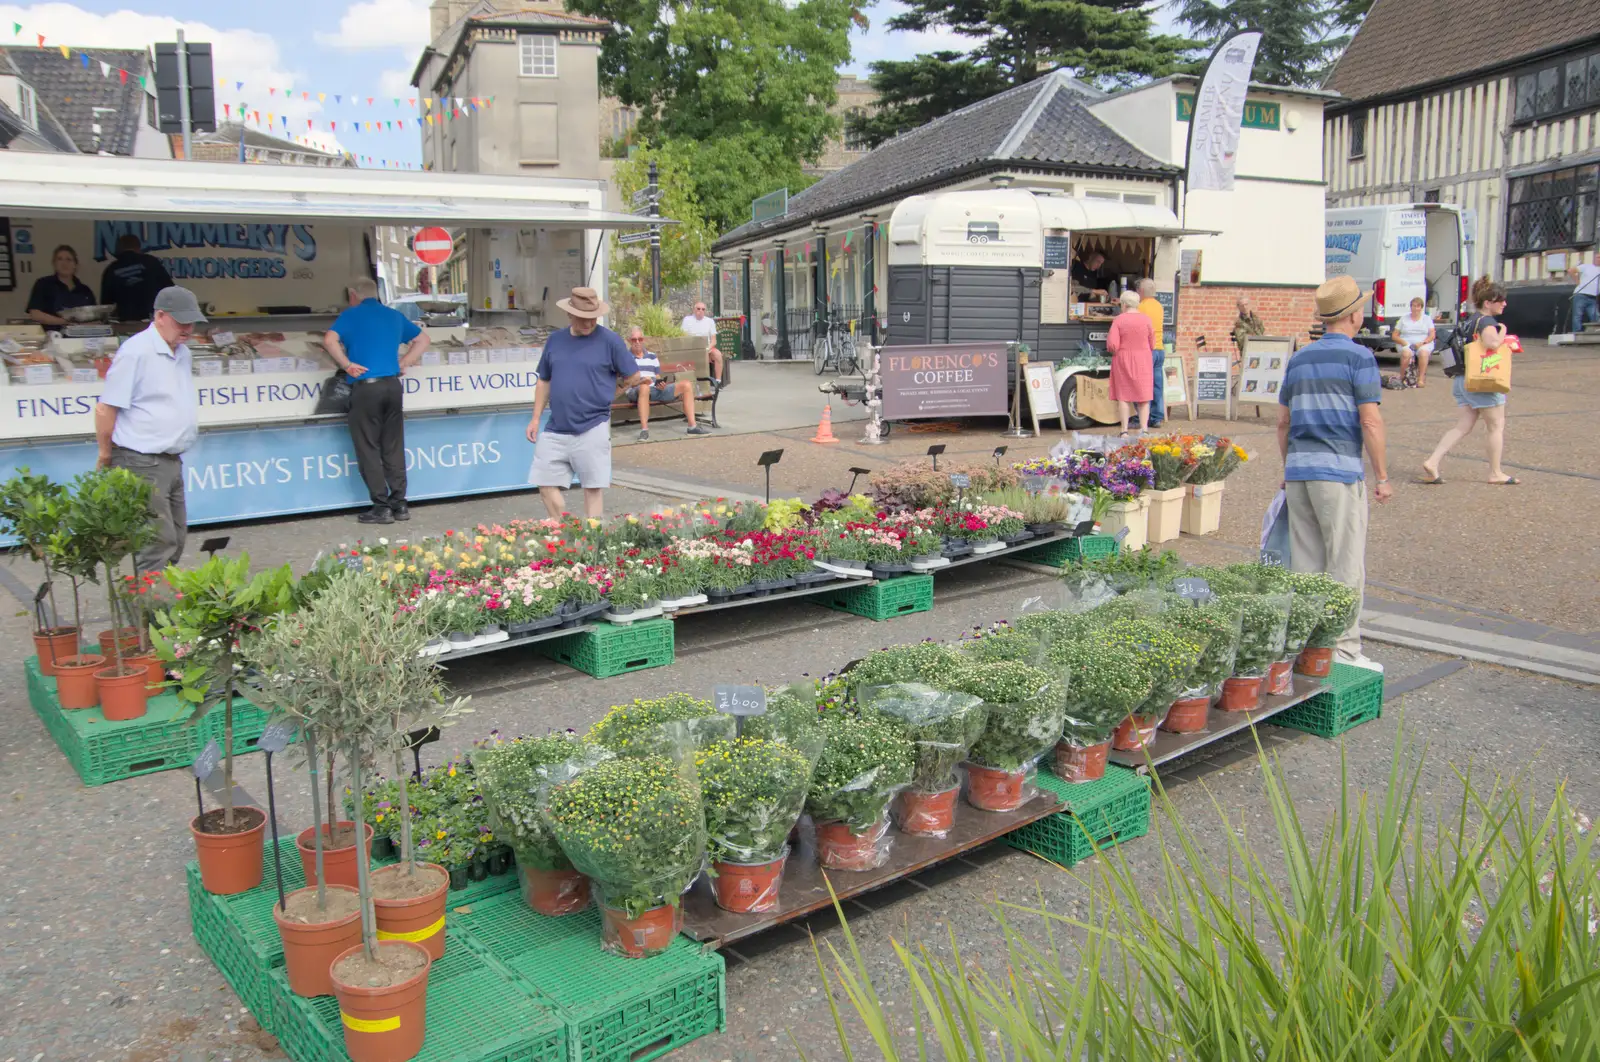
432	245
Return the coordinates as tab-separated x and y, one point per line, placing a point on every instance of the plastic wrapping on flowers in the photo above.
632	824
1339	606
942	725
1219	622
1001	642
509	777
1025	709
1221	580
753	791
642	727
1170	654
1305	614
1105	682
791	716
930	662
865	761
1263	627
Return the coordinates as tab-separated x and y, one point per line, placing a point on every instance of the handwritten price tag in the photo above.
206	762
960	479
740	700
276	737
1192	588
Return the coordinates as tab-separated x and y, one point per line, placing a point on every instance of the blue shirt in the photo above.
1324	386
373	334
583	372
152	387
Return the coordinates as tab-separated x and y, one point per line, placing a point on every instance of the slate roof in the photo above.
1382	60
1044	123
12	127
229	132
72	92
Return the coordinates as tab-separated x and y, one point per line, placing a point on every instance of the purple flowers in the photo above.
1122	479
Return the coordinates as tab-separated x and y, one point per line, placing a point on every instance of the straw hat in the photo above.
584	302
1338	298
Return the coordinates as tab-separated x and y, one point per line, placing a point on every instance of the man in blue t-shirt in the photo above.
1328	415
579	373
365	342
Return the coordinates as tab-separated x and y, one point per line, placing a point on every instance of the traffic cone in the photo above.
825	427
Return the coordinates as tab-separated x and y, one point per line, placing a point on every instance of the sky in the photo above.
337	52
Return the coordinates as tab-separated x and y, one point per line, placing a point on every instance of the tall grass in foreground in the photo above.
1473	937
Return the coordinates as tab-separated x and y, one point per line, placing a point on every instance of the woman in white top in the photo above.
1414	335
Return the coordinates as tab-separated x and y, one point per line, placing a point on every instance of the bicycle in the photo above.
834	346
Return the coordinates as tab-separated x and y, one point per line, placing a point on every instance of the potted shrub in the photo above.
643	727
1217	623
635	826
1105	680
1170	654
1305	615
1340	604
927	662
865	761
74	673
942	728
1024	714
215	606
753	791
509	775
1264	622
31	509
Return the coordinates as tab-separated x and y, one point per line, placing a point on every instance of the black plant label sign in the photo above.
961	480
1192	588
1272	558
206	762
1122	534
276	737
739	700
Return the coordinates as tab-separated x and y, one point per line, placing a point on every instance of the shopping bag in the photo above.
1488	371
335	396
1275	531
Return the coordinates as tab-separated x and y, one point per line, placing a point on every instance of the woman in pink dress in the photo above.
1132	345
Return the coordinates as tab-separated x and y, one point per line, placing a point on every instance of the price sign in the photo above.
1211	379
38	374
961	480
1272	558
1192	588
276	737
1211	440
740	700
1085	527
1122	534
206	762
1033	484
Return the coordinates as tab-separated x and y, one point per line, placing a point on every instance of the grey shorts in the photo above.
1474	399
559	459
659	393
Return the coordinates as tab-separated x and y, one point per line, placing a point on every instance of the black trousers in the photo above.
378	430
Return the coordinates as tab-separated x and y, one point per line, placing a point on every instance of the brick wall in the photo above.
1210	310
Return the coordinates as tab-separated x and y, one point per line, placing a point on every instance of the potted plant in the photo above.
865	761
1024	714
1170	655
1340	604
643	727
635	826
143	596
510	774
31	509
1169	474
929	662
1305	615
728	575
847	550
1217	622
753	791
214	606
1210	464
1105	680
531	598
1264	623
942	728
74	673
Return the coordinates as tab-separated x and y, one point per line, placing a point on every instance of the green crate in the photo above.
102	751
615	648
221	939
900	596
1351	696
248	724
618	1009
1113	809
1069	551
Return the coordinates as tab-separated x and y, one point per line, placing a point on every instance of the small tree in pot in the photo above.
31	509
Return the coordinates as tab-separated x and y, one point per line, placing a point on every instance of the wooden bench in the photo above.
624	412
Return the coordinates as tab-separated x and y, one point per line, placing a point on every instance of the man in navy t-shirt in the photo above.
365	342
579	373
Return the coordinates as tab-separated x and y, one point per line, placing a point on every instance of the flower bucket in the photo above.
1133	734
387	1023
75	682
1081	763
1202	508
989	789
650	934
1241	693
309	948
122	691
415	919
1133	515
1316	663
1280	678
554	892
1166	514
56	643
1187	716
230	862
745	888
927	814
339	864
839	849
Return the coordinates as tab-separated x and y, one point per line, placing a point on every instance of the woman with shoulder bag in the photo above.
1490	298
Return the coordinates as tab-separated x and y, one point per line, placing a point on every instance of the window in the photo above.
539	133
1560	87
1431	195
1094	193
1552	210
1358	136
538	54
27	108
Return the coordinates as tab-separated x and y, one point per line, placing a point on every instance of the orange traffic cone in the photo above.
825	427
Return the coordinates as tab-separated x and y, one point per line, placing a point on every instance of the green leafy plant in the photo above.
1024	709
1169	653
1305	615
1340	603
942	727
1217	623
509	774
645	727
1264	578
1147	566
1105	681
929	662
1263	626
107	517
32	508
657	320
1003	642
1220	580
865	761
754	791
791	716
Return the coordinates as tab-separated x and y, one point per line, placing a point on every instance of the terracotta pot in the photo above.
1187	716
55	643
650	934
122	692
992	790
1316	663
75	682
155	668
309	948
383	1024
1133	734
1241	693
130	642
928	814
839	849
1081	763
417	921
339	864
231	862
554	892
747	887
1280	678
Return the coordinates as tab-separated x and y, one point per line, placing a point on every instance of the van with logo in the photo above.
1401	251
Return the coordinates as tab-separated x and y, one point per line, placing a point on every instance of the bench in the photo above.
624	412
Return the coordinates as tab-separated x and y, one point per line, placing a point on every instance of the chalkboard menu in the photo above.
1211	380
1056	252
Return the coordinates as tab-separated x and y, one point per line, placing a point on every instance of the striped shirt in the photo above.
1324	387
649	365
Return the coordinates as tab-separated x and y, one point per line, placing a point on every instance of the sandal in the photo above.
1436	481
1511	481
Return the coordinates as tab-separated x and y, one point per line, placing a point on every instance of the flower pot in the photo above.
229	862
382	848
1166	514
554	892
1081	763
122	691
1280	678
716	594
1316	663
651	933
383	1023
460	639
989	789
927	814
130	642
416	919
75	681
1241	693
1202	508
744	888
478	869
1187	716
155	669
839	849
53	644
1134	733
338	864
309	948
459	878
500	861
1132	515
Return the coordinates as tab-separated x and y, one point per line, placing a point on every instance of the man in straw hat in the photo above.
579	373
1328	416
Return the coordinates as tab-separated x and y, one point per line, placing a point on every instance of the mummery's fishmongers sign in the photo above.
944	380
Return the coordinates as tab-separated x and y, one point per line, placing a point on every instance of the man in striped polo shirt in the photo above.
1328	415
653	391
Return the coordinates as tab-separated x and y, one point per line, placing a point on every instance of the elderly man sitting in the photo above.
1247	324
653	391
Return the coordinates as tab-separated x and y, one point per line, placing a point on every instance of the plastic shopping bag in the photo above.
1275	530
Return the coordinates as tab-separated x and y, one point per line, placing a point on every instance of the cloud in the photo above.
880	42
381	24
396	82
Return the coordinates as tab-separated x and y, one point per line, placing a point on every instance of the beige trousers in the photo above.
1328	533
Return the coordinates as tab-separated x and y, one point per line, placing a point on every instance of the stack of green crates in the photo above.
1350	696
1101	813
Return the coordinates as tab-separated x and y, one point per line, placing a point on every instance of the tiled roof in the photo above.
541	17
1405	44
49	131
1044	123
229	132
73	91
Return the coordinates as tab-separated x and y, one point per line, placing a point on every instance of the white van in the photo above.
1401	251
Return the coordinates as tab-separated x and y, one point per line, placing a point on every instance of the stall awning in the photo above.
52	185
1111	216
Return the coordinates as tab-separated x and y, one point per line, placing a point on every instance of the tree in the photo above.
1348	14
1296	45
682	245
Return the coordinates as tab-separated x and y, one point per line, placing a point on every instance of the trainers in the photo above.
698	430
378	514
644	436
1359	660
400	512
716	385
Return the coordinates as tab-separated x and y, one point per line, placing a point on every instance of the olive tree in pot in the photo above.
30	509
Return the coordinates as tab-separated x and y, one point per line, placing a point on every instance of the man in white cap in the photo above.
579	373
145	418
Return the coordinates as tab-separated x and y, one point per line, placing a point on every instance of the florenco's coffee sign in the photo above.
944	380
